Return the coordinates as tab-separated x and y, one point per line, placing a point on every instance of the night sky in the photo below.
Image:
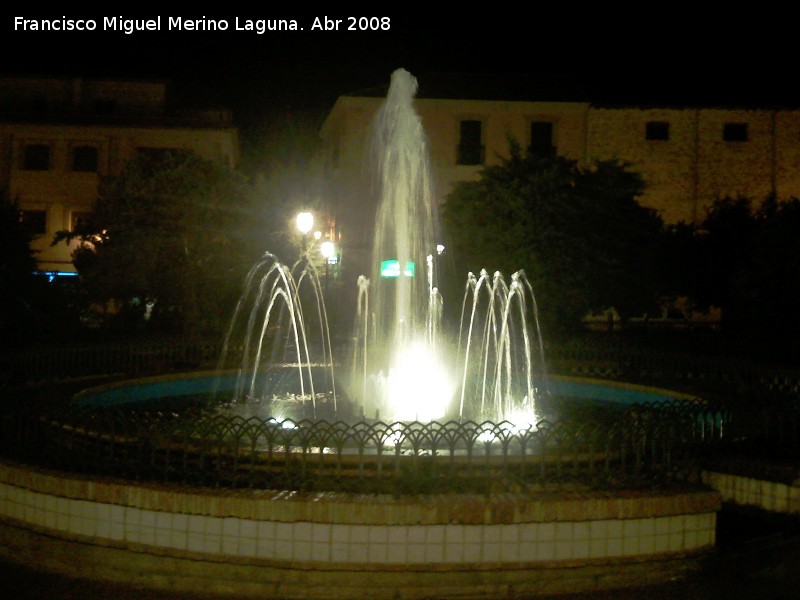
622	55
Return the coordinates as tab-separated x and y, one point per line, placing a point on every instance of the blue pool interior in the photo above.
148	391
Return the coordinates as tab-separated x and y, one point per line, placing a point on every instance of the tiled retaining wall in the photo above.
259	541
772	496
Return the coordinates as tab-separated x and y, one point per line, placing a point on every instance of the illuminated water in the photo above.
400	366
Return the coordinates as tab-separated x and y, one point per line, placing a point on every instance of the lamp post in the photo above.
327	248
305	221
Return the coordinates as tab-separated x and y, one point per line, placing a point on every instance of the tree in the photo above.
173	230
579	233
17	266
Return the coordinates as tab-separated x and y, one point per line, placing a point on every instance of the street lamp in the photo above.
327	248
305	221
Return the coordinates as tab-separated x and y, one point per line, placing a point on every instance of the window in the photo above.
104	106
470	148
81	221
36	157
34	221
541	143
656	130
84	158
735	132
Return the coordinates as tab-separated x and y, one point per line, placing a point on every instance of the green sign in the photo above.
391	268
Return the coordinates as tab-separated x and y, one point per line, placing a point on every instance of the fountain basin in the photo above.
278	544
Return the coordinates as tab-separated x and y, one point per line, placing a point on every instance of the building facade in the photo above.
688	156
60	136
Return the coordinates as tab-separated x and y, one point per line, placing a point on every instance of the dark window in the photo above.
470	148
84	158
34	221
81	221
541	143
105	107
656	130
36	157
735	132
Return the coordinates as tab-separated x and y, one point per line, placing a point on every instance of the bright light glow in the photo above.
327	248
317	235
284	424
419	388
305	221
439	248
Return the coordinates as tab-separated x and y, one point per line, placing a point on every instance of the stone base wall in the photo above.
279	544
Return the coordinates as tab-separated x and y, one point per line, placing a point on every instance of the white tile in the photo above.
266	530
581	549
472	552
378	534
302	551
615	528
246	529
247	546
676	524
597	548
631	528
284	531
116	513
230	527
509	552
339	551
103	529
360	534
690	540
396	554
50	503
676	542
211	545
164	521
453	552
378	553
661	543
302	532
528	532
509	534
283	549
647	544
163	537
630	545
416	534
229	544
340	533
491	534
614	547
195	541
434	534
545	550
647	527
265	548
454	534
415	553
434	552
358	553
147	535
491	552
398	535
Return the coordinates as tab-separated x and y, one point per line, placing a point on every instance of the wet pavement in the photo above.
757	557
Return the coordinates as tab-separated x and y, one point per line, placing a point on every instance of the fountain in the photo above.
353	481
402	366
